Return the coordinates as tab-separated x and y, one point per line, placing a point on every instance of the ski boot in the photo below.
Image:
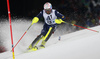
32	48
35	48
42	45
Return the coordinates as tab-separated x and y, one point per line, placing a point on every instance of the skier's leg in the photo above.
35	42
47	36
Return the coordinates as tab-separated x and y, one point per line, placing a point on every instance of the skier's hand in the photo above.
35	20
59	21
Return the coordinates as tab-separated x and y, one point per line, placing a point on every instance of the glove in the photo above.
35	20
59	21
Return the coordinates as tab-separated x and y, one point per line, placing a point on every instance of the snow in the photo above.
83	44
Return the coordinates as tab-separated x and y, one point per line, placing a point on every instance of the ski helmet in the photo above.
48	7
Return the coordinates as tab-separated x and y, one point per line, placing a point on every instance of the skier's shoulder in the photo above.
54	10
41	11
40	14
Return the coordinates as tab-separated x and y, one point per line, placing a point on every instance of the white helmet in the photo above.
47	5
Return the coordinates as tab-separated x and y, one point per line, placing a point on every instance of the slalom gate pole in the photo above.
22	36
10	28
83	27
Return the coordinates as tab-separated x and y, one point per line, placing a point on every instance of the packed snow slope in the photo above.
83	44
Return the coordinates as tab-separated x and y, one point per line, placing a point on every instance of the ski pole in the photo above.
34	20
82	27
59	21
22	36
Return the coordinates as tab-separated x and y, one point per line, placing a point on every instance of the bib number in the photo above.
49	19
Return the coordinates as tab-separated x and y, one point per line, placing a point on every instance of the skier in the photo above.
50	16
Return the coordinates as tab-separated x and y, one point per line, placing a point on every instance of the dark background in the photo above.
79	11
23	8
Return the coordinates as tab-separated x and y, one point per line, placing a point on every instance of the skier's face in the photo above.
48	11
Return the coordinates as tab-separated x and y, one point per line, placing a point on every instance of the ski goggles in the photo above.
47	10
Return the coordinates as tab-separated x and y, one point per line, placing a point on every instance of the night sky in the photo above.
23	7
